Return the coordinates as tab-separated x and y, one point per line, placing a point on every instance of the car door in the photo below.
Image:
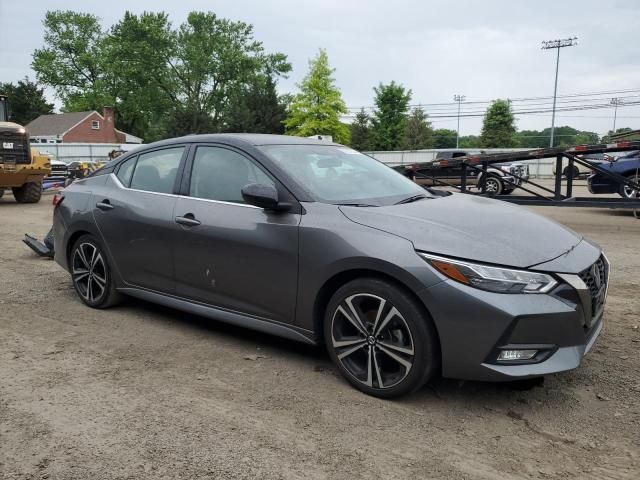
134	213
230	254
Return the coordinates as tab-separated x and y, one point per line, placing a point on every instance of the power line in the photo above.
513	100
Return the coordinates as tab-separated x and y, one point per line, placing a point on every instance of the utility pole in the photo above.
459	99
615	102
557	44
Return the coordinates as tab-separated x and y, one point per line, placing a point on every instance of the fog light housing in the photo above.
516	355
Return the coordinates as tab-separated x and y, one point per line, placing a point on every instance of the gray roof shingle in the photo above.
55	124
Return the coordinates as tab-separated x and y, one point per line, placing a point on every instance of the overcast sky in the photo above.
483	49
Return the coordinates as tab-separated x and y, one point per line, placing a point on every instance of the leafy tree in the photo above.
444	138
563	137
215	59
27	101
498	127
390	116
161	81
257	109
316	109
361	134
470	141
72	60
138	52
606	138
418	133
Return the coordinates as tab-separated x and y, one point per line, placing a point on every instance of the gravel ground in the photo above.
144	392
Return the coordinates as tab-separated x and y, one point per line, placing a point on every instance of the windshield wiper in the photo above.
415	198
356	205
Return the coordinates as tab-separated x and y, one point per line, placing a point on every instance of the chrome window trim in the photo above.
119	184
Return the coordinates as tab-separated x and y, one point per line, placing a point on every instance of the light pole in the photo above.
557	44
459	99
615	102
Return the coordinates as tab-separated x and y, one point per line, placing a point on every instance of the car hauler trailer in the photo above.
557	197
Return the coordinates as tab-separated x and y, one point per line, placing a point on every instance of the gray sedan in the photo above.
315	242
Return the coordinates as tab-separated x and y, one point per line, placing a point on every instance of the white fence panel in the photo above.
70	152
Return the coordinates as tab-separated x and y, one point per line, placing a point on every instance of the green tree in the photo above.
418	133
162	81
498	126
72	60
390	116
215	59
316	109
361	134
257	109
27	101
138	54
444	138
470	141
606	138
562	137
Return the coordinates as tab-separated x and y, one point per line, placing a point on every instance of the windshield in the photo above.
340	175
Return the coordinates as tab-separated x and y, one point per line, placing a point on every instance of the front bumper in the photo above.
474	325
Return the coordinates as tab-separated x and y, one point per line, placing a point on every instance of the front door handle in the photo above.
104	205
188	220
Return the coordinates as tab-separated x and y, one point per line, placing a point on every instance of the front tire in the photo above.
91	273
380	338
493	186
626	191
28	193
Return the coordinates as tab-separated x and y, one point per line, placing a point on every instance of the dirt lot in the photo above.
143	392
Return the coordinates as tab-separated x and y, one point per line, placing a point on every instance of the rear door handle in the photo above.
104	205
188	220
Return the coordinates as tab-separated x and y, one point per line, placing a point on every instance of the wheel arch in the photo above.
332	284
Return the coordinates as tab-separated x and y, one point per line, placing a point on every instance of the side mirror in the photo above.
263	196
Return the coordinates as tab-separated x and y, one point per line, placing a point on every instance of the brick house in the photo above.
78	127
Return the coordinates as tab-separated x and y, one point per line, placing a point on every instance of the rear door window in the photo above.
157	171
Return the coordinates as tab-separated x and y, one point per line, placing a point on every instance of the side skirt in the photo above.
233	318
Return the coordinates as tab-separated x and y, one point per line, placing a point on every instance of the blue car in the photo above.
627	166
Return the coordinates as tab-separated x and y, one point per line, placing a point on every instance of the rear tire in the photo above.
28	193
380	338
565	172
91	274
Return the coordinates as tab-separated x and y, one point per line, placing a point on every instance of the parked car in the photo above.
627	166
316	242
499	181
580	170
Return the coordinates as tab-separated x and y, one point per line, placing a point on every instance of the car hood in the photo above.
475	228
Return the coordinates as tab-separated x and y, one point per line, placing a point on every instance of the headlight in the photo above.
492	279
505	168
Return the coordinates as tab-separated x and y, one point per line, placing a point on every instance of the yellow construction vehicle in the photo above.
22	168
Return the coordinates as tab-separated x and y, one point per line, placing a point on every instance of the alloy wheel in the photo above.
630	192
492	186
372	340
89	272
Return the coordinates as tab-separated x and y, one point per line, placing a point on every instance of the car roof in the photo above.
255	139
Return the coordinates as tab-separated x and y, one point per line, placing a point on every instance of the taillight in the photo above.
57	199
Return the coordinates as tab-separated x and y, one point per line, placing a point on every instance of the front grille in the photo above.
595	277
19	151
59	171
